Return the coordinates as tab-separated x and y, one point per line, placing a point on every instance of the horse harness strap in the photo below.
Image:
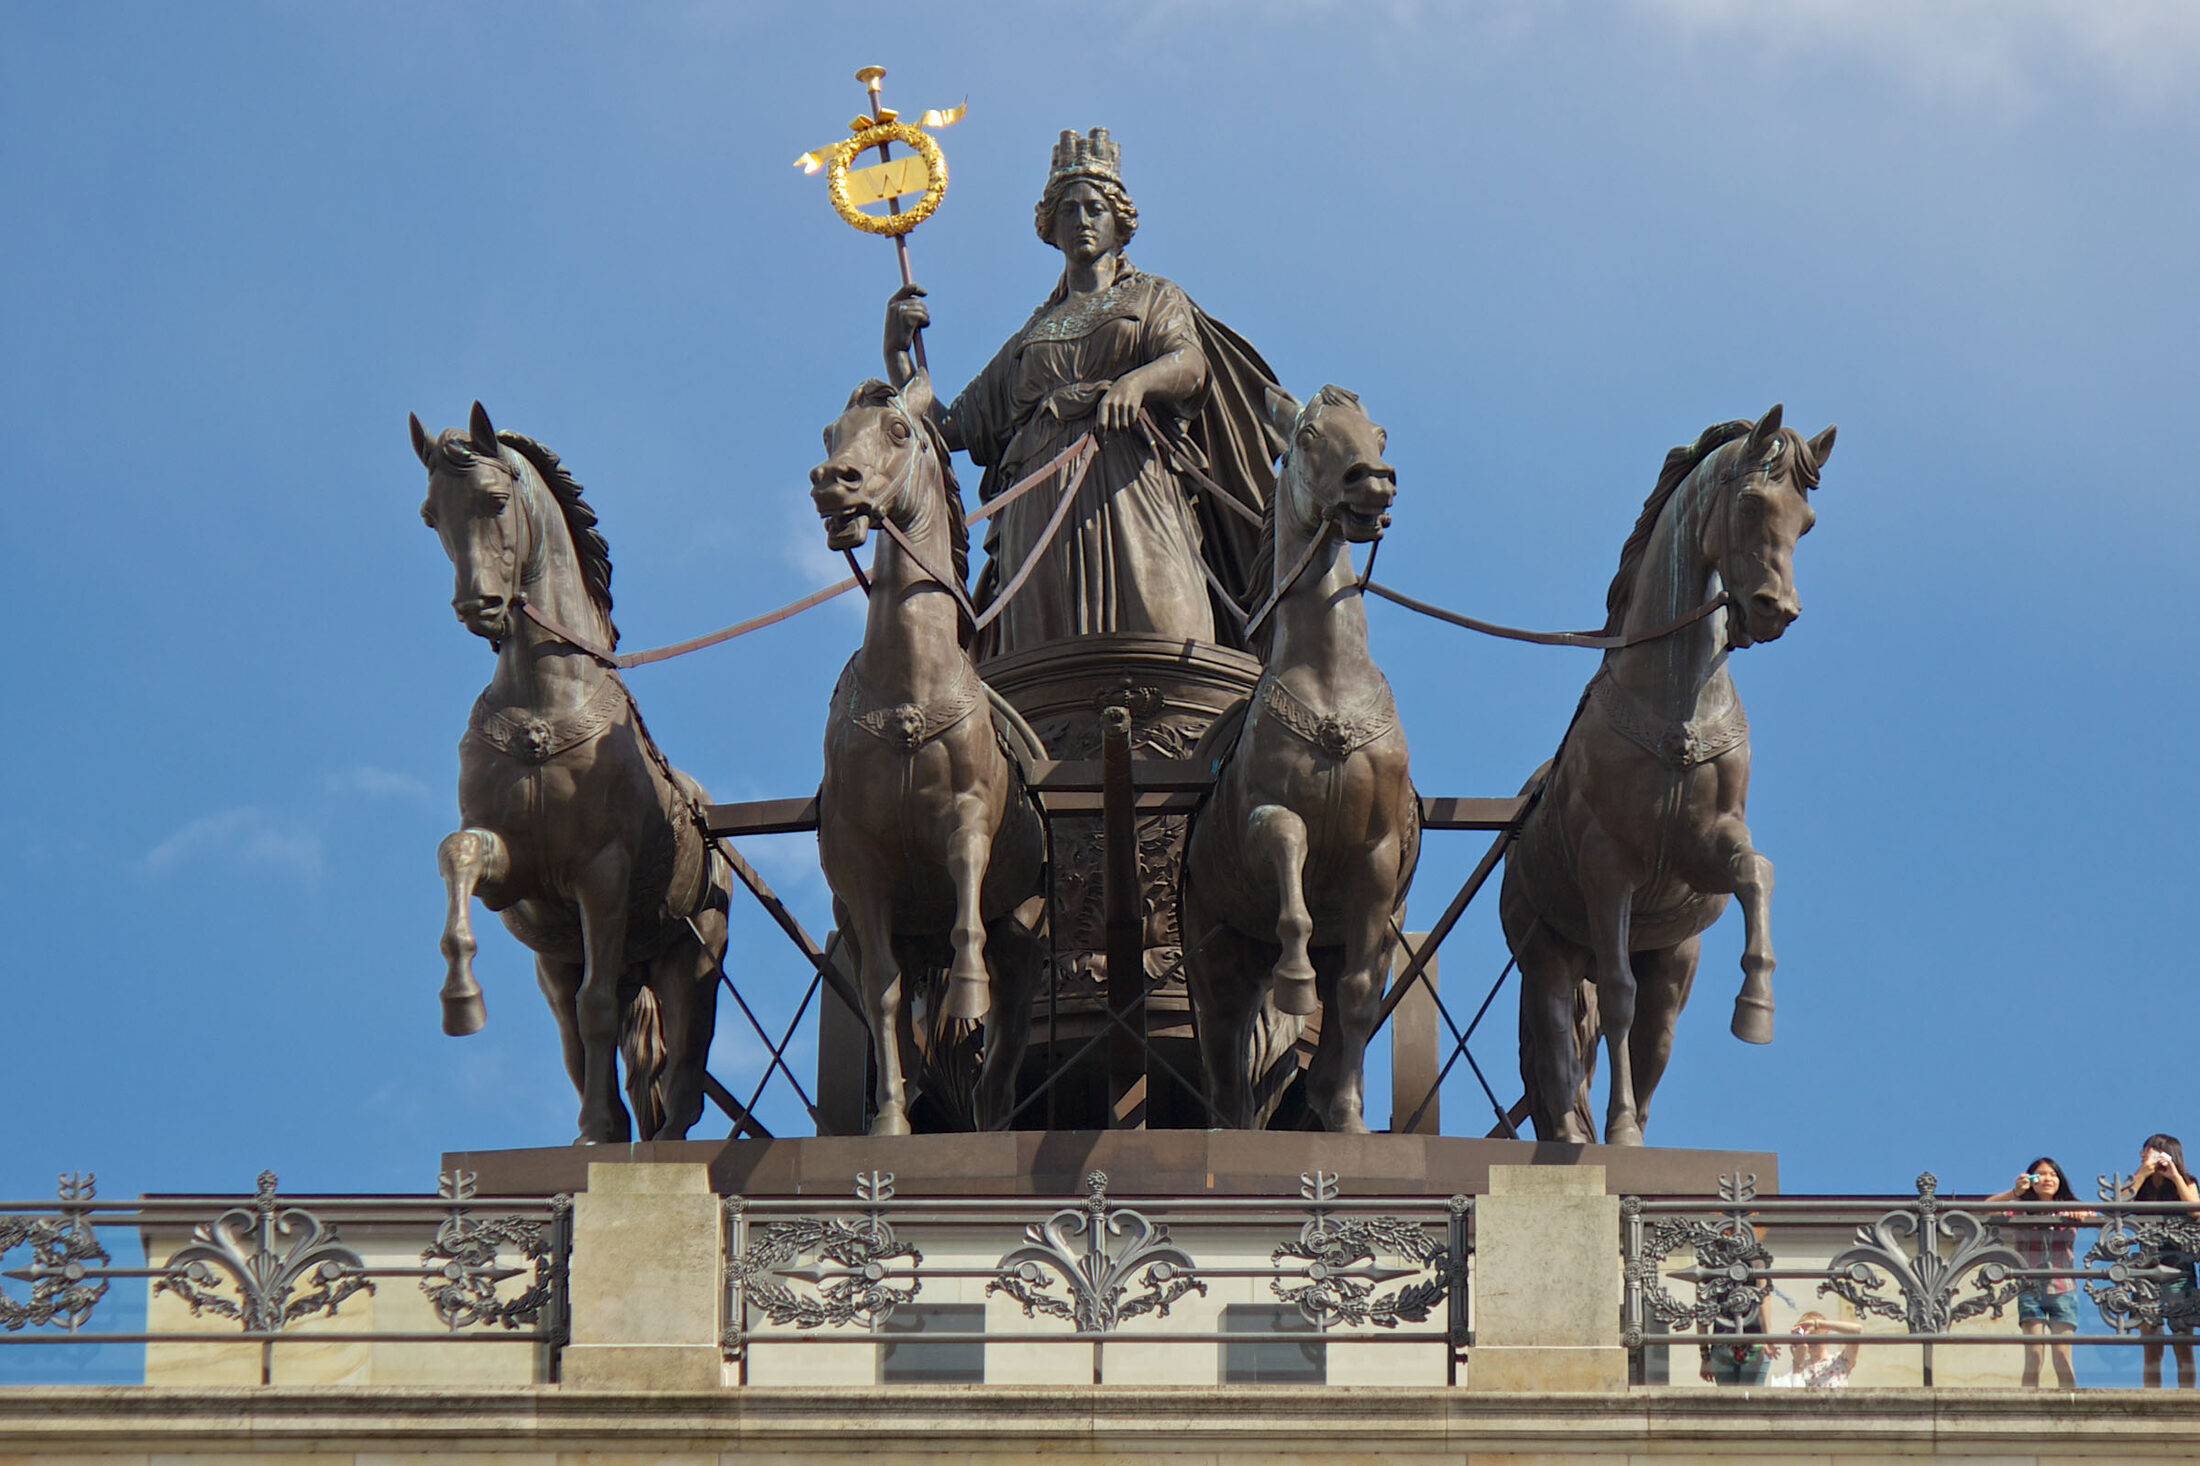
1675	743
532	738
1339	734
906	725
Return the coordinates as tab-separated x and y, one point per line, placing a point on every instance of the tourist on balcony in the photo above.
1740	1364
1810	1365
2047	1305
2162	1177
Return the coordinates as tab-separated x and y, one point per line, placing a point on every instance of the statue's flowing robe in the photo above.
1127	556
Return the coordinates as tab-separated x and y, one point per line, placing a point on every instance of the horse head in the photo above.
873	450
1764	493
1334	468
472	486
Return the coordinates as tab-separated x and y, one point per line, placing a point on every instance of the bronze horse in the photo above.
924	829
1639	836
576	830
1299	860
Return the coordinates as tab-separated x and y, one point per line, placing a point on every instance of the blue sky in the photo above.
1543	241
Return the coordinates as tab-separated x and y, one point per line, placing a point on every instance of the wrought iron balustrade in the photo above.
1700	1272
1097	1269
488	1271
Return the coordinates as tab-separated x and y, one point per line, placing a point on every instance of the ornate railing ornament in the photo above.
2129	1250
468	1268
845	1265
1341	1274
1078	1248
241	1243
1731	1261
1905	1245
66	1260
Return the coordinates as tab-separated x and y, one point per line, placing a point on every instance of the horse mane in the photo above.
1260	577
580	522
1679	464
875	393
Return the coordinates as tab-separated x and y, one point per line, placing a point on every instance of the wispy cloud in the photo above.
378	783
247	835
2008	50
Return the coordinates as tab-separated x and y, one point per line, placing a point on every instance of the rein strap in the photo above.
1595	640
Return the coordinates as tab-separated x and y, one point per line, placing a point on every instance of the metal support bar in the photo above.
735	1110
777	910
1122	899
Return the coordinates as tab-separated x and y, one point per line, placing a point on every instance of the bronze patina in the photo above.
574	827
1299	862
1640	835
925	833
1109	341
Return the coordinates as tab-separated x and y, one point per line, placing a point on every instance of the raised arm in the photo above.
906	314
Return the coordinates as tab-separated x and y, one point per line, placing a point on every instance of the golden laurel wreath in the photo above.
935	178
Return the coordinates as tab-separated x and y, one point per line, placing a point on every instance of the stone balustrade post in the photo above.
1547	1282
646	1280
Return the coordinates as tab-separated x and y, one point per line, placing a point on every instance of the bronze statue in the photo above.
576	829
924	829
1298	863
1107	344
1639	836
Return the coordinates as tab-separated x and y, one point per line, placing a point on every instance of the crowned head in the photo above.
1094	159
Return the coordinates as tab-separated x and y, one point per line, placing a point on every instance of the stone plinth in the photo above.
647	1251
1547	1282
1138	1162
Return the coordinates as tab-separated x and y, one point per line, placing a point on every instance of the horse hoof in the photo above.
1623	1135
1752	1020
968	998
462	1016
1295	995
889	1122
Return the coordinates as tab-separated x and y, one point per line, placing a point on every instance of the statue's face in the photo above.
1085	228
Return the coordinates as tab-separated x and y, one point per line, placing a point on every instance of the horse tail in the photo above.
642	1046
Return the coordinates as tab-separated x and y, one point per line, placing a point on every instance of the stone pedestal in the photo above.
1547	1282
647	1243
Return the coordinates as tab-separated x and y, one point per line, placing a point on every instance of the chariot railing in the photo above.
248	1274
1912	1274
1208	1288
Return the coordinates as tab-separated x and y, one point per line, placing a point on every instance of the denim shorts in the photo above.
2037	1305
2180	1299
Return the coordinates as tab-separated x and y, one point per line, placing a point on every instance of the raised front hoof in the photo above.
889	1122
1295	995
1752	1020
968	998
462	1016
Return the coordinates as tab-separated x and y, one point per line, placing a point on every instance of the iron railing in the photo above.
1909	1270
271	1263
1098	1270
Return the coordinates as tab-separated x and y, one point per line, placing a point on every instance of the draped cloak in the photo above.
1127	556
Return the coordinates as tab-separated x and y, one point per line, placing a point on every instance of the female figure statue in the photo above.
1108	342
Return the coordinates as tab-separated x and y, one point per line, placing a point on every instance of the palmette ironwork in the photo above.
1342	1273
64	1287
1905	1245
1098	1254
843	1262
469	1267
241	1246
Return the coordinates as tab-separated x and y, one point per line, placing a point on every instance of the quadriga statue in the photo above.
1298	863
1640	836
925	833
576	829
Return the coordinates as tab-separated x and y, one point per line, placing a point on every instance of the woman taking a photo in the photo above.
2047	1305
2162	1177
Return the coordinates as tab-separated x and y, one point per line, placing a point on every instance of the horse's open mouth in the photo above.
1359	528
847	529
